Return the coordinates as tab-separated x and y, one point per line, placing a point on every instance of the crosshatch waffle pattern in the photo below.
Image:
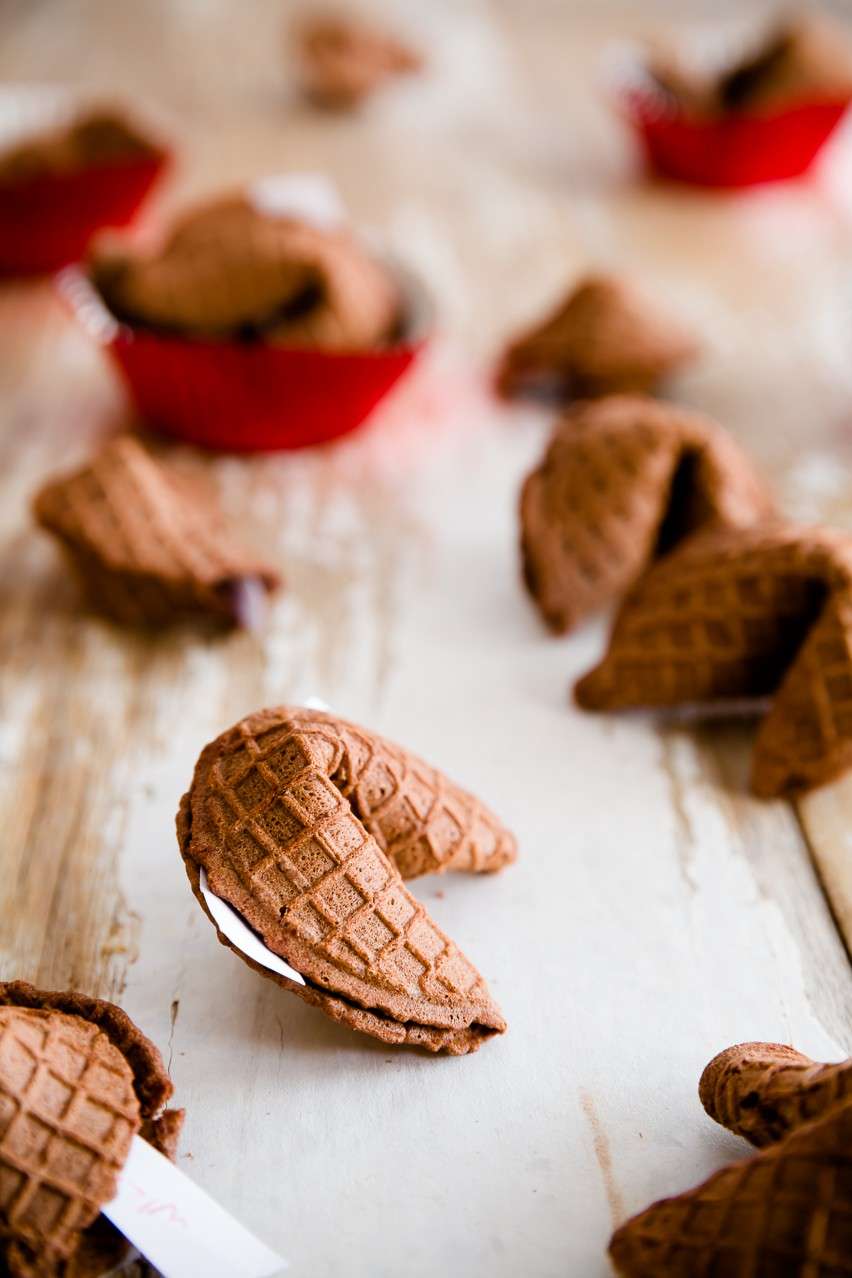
68	1113
146	546
763	1091
230	269
623	480
424	822
741	614
602	339
280	839
102	1248
786	1211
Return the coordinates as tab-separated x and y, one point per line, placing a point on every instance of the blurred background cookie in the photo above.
341	60
231	269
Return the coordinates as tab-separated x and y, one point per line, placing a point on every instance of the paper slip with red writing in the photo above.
178	1228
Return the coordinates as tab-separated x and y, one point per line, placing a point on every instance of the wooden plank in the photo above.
657	912
826	817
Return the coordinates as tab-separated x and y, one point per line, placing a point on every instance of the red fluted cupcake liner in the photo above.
734	150
48	221
250	396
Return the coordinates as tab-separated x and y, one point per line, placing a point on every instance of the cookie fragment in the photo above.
745	613
624	480
230	269
295	815
127	1086
147	550
764	1091
341	61
604	338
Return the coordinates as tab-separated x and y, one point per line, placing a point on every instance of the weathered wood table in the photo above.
657	912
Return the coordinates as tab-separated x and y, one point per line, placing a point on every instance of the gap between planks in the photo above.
796	852
825	819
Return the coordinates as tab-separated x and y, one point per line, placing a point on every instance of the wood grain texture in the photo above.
657	913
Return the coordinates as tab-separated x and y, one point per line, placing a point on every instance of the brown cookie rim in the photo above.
151	1081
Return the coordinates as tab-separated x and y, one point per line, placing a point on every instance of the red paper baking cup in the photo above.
47	221
734	150
250	396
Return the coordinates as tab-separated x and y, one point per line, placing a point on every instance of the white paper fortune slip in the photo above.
178	1227
239	933
311	197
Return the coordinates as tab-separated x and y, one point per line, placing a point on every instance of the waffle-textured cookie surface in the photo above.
101	1248
782	1213
274	817
751	613
624	480
423	821
68	1112
604	338
148	549
764	1091
230	269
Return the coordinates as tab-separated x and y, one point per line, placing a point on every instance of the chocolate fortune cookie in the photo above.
783	1213
235	270
764	1091
602	339
741	614
623	481
78	1081
147	549
102	137
302	823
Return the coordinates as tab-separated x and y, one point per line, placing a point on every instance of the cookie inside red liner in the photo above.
763	117
59	188
735	151
803	60
234	271
98	139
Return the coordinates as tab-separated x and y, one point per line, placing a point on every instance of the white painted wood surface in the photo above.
657	912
